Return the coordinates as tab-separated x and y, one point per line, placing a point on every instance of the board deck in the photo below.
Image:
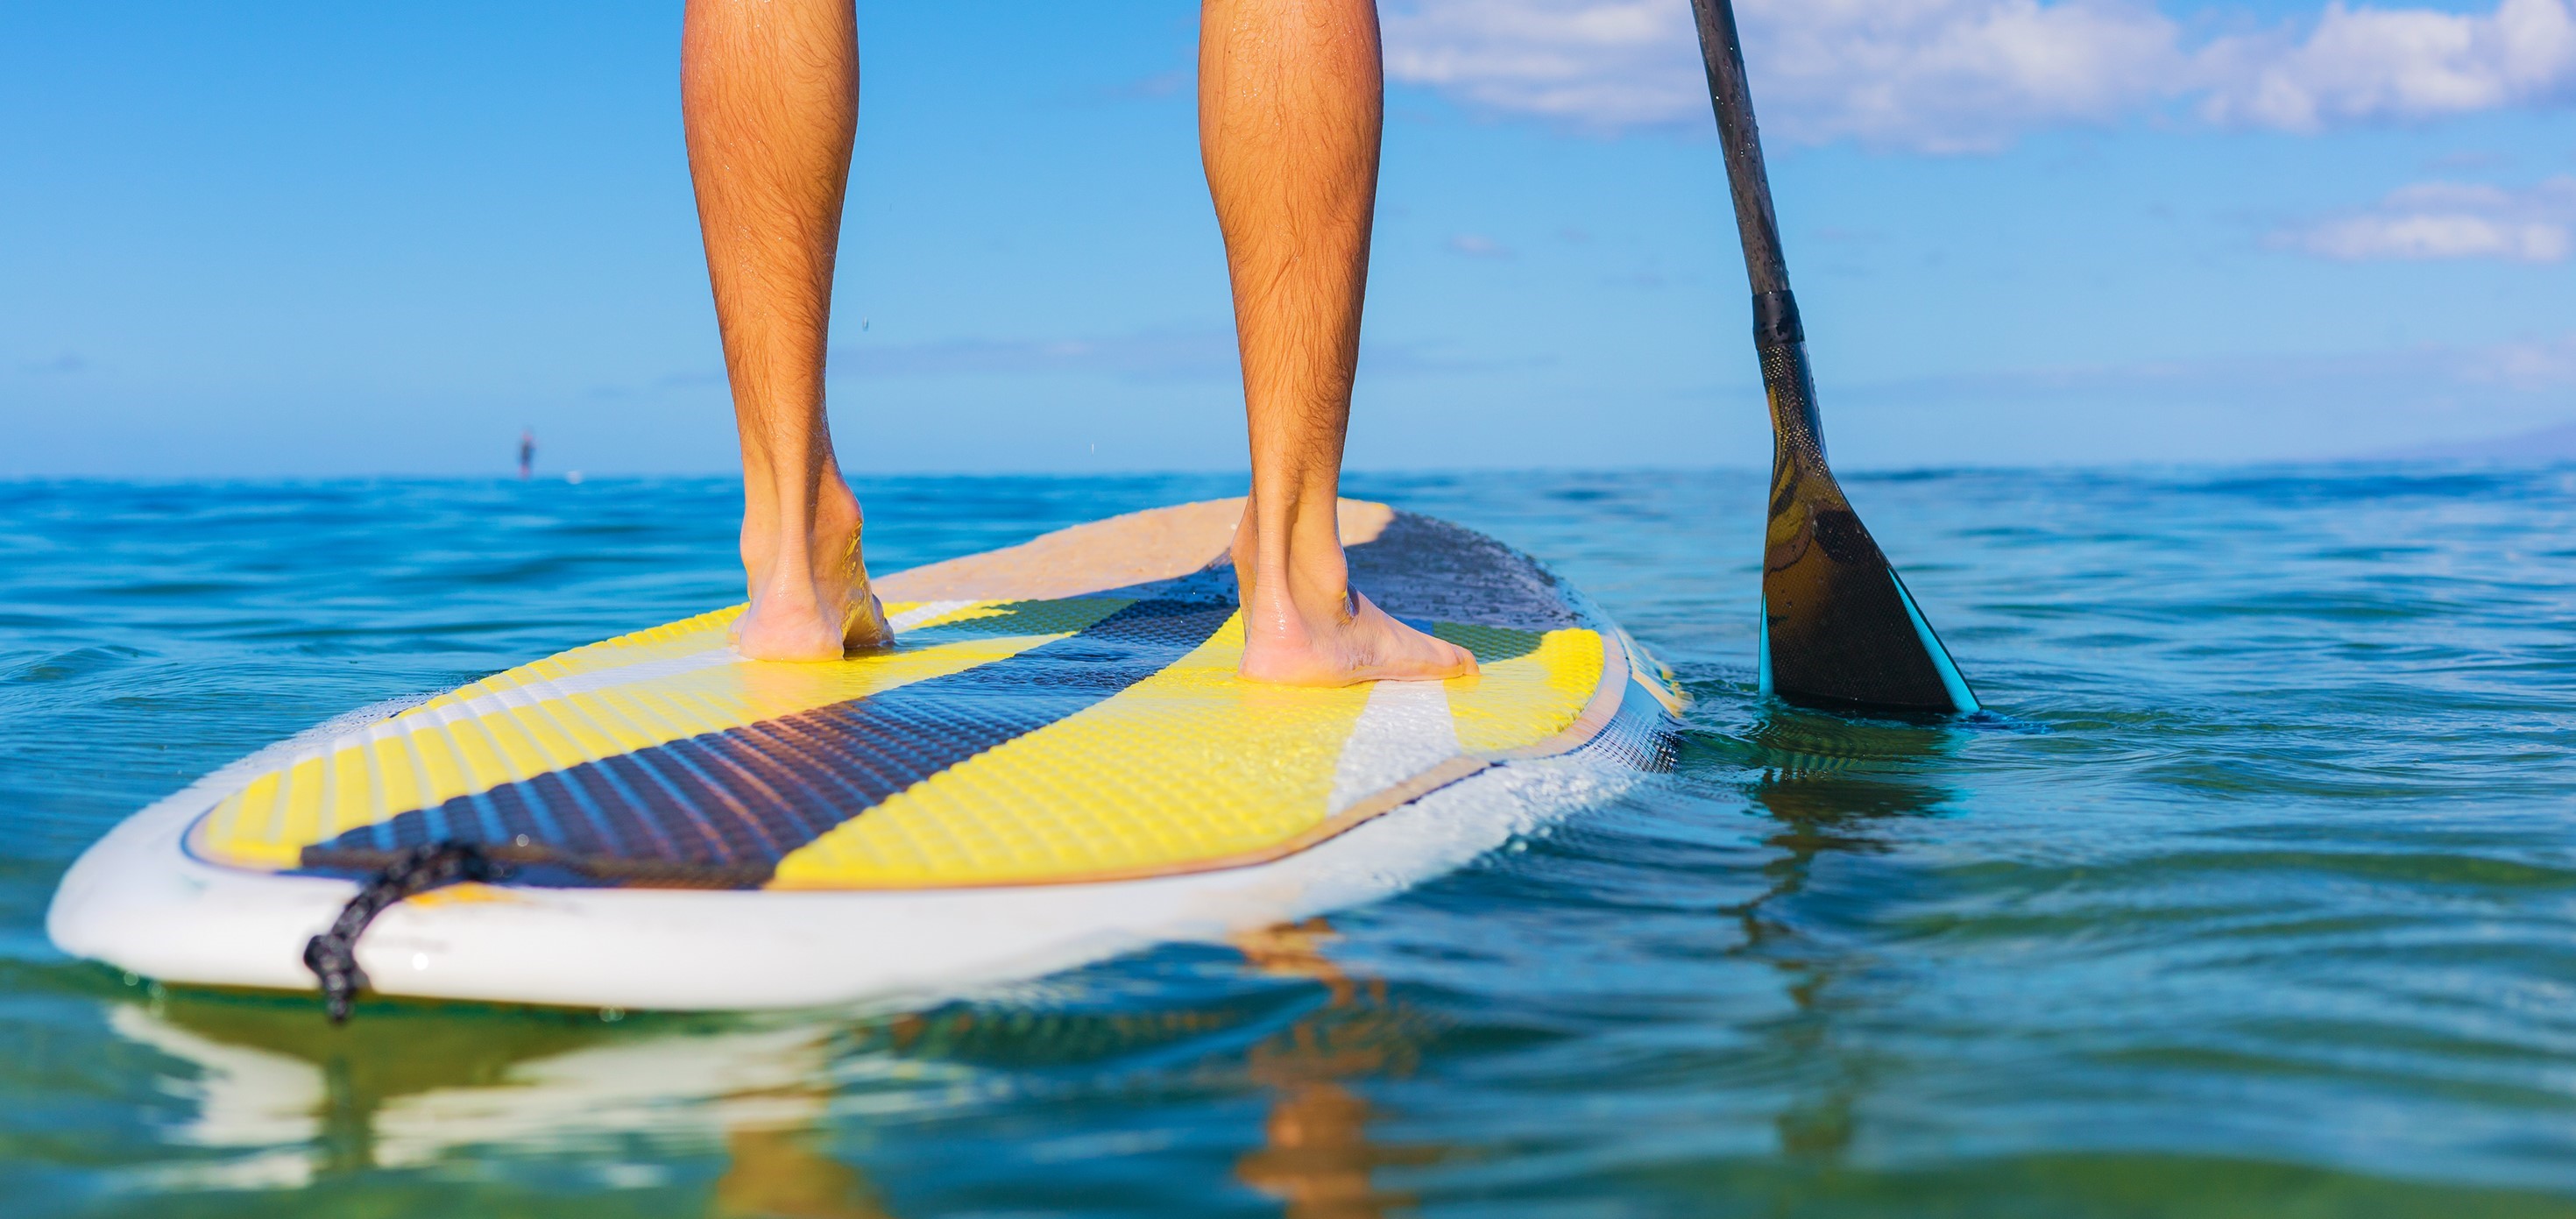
1061	718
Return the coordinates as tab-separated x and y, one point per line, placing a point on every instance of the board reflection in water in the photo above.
754	1116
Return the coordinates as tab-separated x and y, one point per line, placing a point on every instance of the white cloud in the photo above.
2530	364
2364	64
1969	75
2433	220
1953	75
1600	62
1937	74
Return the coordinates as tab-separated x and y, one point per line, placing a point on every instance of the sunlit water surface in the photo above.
2256	897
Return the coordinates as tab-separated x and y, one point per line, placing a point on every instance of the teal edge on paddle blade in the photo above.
1962	699
1762	651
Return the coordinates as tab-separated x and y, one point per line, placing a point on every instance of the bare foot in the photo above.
809	601
1303	625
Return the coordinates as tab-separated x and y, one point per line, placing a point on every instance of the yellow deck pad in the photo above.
1191	768
590	704
1519	700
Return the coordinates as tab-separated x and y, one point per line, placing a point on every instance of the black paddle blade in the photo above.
1839	631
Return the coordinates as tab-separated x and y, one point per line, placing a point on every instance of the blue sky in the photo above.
309	239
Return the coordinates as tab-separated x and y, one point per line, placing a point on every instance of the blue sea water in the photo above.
2256	895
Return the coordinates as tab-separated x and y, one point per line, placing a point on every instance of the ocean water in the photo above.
2255	895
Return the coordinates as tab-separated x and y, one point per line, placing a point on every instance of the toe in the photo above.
1462	661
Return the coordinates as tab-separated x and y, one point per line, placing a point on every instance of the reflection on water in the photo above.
779	1171
1829	785
413	1086
1316	1153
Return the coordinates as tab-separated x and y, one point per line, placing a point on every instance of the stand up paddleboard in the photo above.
1056	763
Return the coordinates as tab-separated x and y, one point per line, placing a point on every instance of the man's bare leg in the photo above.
769	92
1291	107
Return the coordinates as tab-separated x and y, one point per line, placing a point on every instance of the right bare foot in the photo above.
809	601
1303	625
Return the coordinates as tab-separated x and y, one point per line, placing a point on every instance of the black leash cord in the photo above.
333	955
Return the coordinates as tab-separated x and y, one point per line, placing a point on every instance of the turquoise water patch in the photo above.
2253	894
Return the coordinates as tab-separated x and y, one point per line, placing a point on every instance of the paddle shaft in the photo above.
1775	311
1778	336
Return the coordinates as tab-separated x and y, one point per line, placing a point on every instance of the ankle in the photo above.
837	518
1301	526
1310	589
775	547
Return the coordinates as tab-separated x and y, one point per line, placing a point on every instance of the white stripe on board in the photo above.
1404	730
924	612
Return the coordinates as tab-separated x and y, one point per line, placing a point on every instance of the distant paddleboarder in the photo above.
1291	110
527	452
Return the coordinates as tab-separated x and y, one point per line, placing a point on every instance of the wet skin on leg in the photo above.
1291	108
769	93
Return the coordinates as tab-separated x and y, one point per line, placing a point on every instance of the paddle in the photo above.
1839	631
